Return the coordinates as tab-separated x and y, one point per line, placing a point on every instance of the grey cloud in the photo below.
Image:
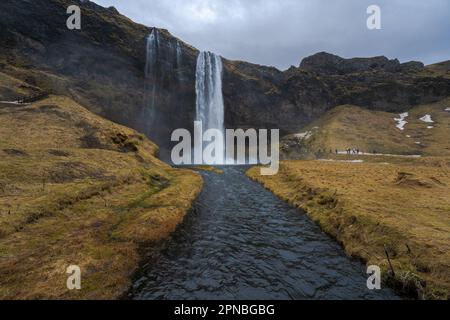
282	32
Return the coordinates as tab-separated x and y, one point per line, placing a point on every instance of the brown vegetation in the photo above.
402	207
374	131
76	189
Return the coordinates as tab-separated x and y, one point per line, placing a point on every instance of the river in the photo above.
242	242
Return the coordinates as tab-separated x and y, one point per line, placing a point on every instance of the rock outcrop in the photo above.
329	64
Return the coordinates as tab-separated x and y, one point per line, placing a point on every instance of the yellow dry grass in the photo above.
206	168
76	189
403	206
375	131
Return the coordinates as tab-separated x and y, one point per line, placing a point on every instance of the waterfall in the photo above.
178	60
178	54
152	53
208	88
151	79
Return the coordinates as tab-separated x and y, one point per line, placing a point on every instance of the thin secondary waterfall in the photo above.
208	87
179	53
152	50
178	61
150	64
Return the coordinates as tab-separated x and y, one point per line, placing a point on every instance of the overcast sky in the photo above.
282	32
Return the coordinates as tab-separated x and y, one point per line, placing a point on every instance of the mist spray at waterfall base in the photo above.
212	144
209	147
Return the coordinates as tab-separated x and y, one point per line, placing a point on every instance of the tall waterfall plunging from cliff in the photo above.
208	87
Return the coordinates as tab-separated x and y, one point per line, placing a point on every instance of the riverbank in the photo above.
76	189
242	242
401	207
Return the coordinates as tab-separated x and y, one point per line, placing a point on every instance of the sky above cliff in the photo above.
282	32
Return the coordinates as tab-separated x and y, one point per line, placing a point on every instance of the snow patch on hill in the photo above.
12	102
304	135
346	161
383	154
401	122
427	118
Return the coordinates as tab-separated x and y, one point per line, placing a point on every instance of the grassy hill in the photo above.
400	207
439	69
373	132
76	189
394	197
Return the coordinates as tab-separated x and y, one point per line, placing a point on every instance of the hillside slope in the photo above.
374	132
76	189
399	209
439	69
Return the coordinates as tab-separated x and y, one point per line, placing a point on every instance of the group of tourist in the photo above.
350	151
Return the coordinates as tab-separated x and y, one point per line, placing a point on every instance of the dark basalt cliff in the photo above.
265	97
329	64
103	65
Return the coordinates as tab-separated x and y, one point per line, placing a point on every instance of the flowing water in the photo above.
242	242
151	79
152	53
179	54
208	88
179	61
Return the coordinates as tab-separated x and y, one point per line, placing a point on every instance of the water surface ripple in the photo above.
242	242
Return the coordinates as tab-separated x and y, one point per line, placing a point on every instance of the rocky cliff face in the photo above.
103	65
289	100
100	63
328	64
